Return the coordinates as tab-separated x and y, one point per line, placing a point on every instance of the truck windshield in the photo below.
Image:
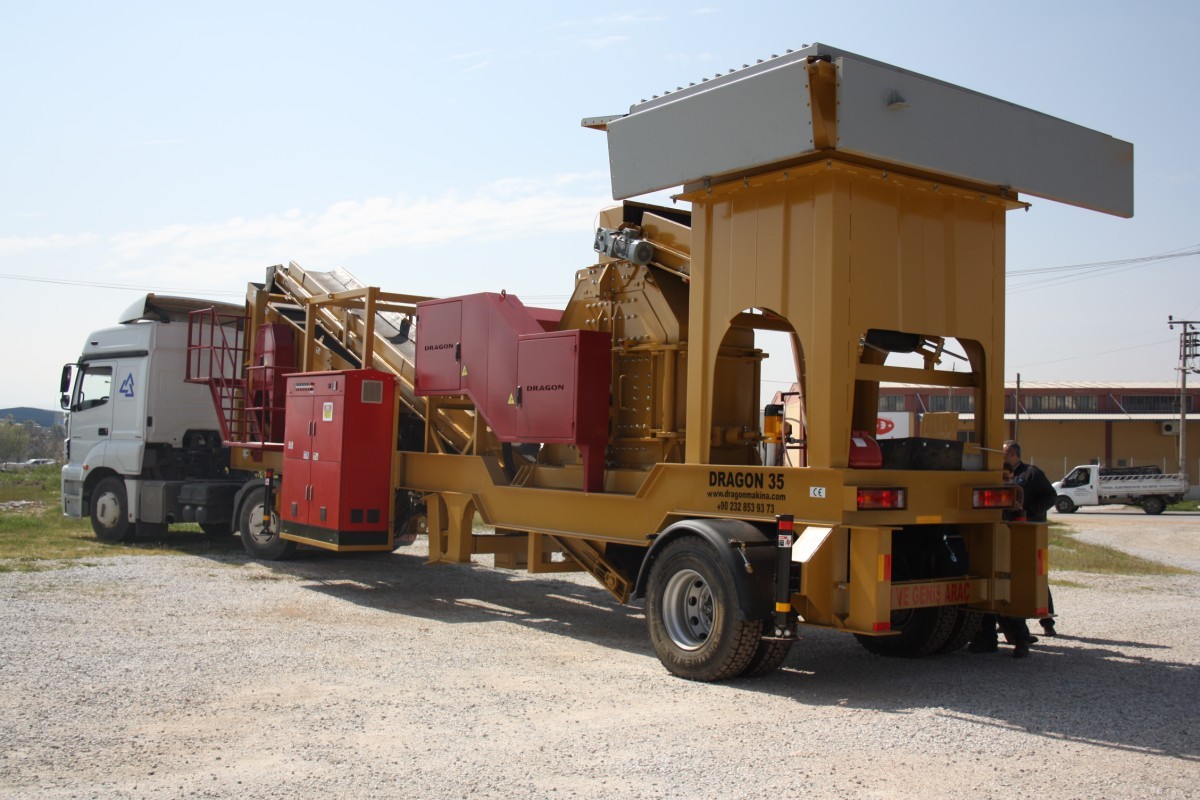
1079	477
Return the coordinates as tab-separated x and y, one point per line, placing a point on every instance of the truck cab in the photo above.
135	428
1079	487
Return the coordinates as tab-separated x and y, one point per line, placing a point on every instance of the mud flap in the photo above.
870	582
1029	565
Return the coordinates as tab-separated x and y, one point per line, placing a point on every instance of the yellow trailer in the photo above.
835	212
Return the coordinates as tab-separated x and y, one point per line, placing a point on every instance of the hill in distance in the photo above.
44	417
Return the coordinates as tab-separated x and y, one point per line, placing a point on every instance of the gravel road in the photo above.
373	677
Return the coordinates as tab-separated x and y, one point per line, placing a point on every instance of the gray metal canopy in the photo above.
763	115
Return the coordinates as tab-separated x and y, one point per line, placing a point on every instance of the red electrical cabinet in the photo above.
562	387
338	444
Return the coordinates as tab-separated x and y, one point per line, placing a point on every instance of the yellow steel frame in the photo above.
829	249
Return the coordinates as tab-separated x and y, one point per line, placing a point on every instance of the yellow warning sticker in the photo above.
512	401
464	372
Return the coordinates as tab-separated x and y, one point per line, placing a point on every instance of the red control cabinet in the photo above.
531	382
338	443
562	387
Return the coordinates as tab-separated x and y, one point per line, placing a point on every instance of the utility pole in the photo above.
1017	411
1189	361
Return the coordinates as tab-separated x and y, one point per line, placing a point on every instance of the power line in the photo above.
126	287
1075	272
1183	252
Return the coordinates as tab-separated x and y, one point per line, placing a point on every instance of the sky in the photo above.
183	148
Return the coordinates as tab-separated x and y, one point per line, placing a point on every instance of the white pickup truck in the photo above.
1093	485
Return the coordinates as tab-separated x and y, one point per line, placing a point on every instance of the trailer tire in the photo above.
966	625
696	626
768	657
110	511
266	547
1154	505
922	632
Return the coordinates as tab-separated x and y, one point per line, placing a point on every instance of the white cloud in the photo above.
506	210
14	245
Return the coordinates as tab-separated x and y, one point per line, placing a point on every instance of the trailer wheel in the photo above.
922	632
966	625
768	657
1154	505
692	612
267	546
110	514
1064	505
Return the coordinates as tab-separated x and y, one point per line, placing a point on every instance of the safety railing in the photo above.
249	409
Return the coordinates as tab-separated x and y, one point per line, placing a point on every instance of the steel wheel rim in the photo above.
108	510
255	527
688	609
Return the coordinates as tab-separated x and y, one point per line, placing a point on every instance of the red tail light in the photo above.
993	497
876	499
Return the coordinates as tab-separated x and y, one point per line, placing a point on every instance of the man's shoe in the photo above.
1029	639
983	647
1021	650
1048	629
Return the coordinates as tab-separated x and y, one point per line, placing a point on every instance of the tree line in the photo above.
21	441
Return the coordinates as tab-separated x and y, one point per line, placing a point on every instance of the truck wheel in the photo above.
922	632
265	546
1064	505
110	515
1153	505
692	612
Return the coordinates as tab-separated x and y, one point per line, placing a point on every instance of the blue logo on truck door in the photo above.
126	389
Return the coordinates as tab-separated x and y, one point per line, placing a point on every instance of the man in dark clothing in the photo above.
1039	494
1039	498
1013	628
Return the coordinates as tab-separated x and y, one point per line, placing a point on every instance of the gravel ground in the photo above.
368	677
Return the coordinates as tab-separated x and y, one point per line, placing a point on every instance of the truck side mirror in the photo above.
64	387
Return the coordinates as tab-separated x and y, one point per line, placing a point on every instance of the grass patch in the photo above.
39	484
35	536
1070	554
1185	505
44	539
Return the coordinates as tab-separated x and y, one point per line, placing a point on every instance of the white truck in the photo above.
1094	485
143	446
